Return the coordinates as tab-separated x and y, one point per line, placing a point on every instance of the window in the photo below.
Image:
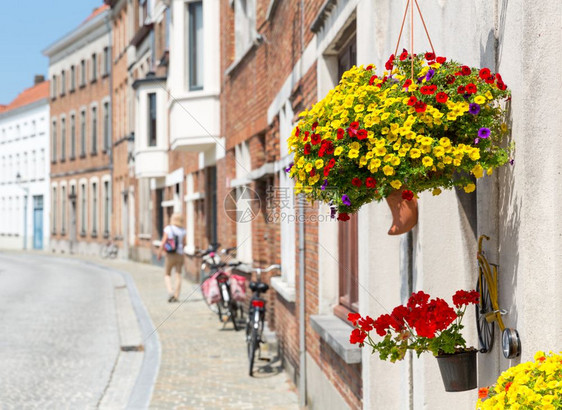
63	139
244	25
83	134
54	141
145	215
83	206
195	11
63	210
106	208
33	128
94	130
72	136
94	67
72	78
82	73
54	211
33	171
143	11
348	231
94	209
168	28
106	61
106	143
152	119
63	83
54	87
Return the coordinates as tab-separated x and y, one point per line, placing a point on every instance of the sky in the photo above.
27	27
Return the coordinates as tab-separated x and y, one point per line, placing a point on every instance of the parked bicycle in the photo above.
109	250
256	316
222	291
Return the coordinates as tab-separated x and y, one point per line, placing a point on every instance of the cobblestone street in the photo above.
203	366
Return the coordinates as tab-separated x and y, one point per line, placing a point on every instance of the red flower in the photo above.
388	65
441	60
297	131
404	54
366	323
372	79
315	139
501	85
483	392
418	298
508	385
407	195
353	318
371	182
313	172
430	56
499	77
412	100
315	125
407	83
354	125
428	89
331	163
357	336
420	106
441	97
484	73
462	297
306	149
326	171
357	182
306	133
361	134
382	323
471	88
450	79
465	70
343	217
341	133
399	317
461	89
491	79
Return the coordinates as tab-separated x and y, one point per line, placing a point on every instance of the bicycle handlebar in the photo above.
268	269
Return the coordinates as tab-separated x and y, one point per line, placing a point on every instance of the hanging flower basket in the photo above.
424	325
426	123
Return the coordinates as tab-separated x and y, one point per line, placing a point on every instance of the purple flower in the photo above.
476	140
511	161
324	185
419	80
474	108
345	199
288	169
333	211
430	74
483	132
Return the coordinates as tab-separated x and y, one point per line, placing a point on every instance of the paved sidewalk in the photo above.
203	366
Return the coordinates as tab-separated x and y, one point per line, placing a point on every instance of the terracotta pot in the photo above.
458	370
404	213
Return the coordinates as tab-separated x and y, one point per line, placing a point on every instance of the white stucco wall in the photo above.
517	207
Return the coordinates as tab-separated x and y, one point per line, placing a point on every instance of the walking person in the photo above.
173	242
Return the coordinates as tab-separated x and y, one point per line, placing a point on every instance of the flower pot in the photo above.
458	370
404	213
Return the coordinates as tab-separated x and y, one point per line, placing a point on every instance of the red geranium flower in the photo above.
418	298
471	88
462	298
357	182
341	133
315	139
404	54
441	60
484	73
420	106
343	217
357	336
307	149
353	318
430	56
441	97
407	195
361	134
412	100
366	323
371	182
465	70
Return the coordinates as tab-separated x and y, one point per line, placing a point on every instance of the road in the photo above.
59	333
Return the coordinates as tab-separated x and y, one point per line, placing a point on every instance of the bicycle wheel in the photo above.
252	342
215	308
233	309
484	306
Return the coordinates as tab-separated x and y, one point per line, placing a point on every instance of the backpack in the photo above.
171	244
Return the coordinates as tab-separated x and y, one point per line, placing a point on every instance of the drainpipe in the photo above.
108	21
302	301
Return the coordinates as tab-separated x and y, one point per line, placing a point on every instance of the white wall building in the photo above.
24	170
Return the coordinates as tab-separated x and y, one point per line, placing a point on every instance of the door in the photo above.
38	222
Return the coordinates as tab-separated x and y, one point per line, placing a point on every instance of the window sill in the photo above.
82	156
94	235
83	234
105	75
242	57
82	86
93	153
94	80
336	333
63	160
105	235
284	289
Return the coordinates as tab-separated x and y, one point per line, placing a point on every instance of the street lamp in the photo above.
26	190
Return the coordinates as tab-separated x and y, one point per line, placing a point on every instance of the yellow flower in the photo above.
395	161
436	192
469	188
474	154
375	163
427	162
308	167
307	189
348	103
415	153
478	171
355	145
359	108
457	162
396	184
445	142
298	187
338	150
489	95
438	151
300	162
480	100
353	153
362	161
388	170
380	151
319	163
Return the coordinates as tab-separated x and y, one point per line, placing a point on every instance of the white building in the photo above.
24	169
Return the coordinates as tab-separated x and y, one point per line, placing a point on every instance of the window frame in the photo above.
83	132
94	130
195	55
94	61
152	120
